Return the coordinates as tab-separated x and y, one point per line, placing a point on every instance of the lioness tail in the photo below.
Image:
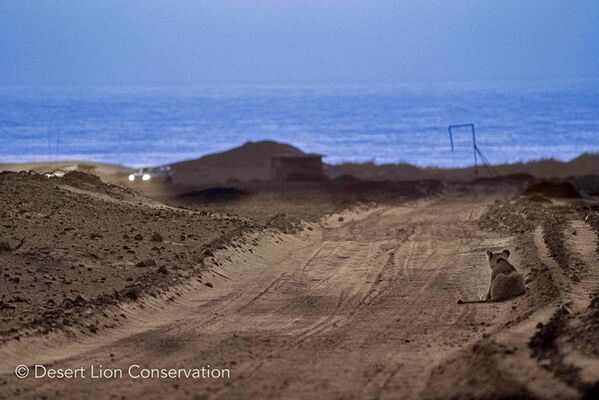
474	301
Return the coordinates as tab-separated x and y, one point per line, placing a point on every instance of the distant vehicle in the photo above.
161	174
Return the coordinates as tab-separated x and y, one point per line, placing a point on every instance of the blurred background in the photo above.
152	82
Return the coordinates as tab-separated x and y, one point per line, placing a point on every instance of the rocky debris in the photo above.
79	300
208	253
67	249
513	217
162	269
19	299
543	342
11	244
285	223
132	293
6	306
146	263
156	237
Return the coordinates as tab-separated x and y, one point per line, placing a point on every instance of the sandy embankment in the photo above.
73	244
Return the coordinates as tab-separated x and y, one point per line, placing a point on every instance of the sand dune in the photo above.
248	162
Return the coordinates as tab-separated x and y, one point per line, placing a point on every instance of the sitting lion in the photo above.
506	282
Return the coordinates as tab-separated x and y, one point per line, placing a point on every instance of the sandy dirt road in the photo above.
359	308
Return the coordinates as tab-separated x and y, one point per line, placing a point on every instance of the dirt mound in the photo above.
245	163
250	154
65	252
515	217
79	178
553	189
588	185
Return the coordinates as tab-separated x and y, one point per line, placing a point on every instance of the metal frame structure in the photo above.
475	149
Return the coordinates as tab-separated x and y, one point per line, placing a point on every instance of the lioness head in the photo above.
495	257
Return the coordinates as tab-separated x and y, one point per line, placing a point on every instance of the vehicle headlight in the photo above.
131	177
146	177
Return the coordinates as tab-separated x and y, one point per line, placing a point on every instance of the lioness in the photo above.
506	282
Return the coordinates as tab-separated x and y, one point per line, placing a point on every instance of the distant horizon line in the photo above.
304	84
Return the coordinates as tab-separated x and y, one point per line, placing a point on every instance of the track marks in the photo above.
581	246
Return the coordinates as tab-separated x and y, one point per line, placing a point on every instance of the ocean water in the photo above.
379	123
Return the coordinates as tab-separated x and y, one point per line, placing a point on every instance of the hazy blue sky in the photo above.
183	42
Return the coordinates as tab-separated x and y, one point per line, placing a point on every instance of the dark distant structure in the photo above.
476	150
297	168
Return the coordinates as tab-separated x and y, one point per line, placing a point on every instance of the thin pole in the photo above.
474	149
474	146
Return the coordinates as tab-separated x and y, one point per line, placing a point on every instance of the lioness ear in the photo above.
489	254
506	253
